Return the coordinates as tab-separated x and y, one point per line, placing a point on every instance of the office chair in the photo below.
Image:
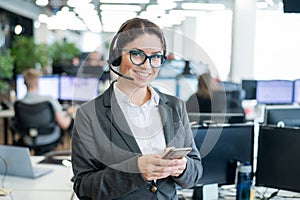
36	126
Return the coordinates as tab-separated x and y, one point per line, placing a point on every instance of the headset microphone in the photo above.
122	75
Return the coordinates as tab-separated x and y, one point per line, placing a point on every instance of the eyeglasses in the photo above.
138	58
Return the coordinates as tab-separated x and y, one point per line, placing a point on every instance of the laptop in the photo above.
17	162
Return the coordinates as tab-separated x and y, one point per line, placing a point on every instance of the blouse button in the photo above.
153	188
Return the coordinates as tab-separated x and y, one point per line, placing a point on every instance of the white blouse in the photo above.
144	122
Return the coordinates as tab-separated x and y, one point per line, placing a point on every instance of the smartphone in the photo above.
176	153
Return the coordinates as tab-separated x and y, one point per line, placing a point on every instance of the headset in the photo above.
115	54
115	57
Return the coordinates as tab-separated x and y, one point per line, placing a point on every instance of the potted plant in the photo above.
42	53
28	54
23	50
63	52
6	72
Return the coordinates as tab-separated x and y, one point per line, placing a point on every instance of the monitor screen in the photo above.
249	86
278	160
48	85
229	86
216	118
297	91
282	115
65	70
274	91
78	88
221	147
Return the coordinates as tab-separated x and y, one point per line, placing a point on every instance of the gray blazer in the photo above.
104	151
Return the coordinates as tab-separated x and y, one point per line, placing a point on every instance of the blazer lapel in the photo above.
167	121
119	122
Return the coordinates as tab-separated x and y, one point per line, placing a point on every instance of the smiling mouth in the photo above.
142	74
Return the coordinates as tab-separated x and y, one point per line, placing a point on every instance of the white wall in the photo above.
214	36
243	34
277	46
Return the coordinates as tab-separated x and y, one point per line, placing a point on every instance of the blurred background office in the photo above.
235	39
250	47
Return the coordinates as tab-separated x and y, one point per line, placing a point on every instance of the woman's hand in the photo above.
181	165
153	167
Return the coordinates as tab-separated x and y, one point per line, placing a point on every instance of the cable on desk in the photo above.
4	176
259	194
227	192
274	194
264	197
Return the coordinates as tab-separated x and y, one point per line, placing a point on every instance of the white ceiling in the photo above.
63	14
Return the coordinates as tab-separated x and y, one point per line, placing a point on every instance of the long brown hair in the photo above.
206	85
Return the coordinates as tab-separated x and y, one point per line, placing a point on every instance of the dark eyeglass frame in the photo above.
132	51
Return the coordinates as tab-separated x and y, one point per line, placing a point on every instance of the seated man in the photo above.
31	80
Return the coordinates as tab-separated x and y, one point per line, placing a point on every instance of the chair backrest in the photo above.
39	116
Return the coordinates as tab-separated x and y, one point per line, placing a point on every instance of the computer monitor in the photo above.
229	101
274	91
221	147
79	89
65	70
229	85
48	85
216	118
249	86
297	91
282	115
278	160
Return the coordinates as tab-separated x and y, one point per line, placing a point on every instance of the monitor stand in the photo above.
206	192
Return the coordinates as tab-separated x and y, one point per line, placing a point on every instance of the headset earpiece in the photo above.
115	57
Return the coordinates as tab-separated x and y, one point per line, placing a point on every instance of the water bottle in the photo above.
244	181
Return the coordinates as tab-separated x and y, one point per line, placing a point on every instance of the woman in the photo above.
201	101
120	136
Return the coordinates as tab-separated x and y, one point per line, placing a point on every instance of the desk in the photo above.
228	192
56	185
6	114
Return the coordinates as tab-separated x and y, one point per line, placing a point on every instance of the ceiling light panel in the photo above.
203	6
135	8
167	4
41	2
127	1
118	14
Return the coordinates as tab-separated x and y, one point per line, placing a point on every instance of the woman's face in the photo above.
144	73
